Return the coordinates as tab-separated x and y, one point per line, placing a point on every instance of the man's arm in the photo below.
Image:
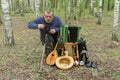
35	23
60	23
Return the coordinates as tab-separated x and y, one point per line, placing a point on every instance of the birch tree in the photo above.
70	11
108	8
102	4
0	14
115	24
91	5
13	5
32	5
44	5
86	4
10	5
65	12
94	8
100	13
37	5
9	39
79	8
21	7
0	20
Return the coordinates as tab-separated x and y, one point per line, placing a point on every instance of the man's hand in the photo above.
41	26
52	31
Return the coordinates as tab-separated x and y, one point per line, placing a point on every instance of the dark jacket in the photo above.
55	24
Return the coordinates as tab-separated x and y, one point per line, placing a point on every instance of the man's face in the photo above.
48	17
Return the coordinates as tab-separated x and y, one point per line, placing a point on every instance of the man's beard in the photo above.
48	21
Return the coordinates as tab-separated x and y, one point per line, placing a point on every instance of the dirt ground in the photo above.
22	61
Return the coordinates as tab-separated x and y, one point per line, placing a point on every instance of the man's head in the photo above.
48	15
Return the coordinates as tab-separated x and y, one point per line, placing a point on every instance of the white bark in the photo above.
21	8
69	11
91	5
32	5
100	13
9	39
65	12
94	8
37	5
79	1
0	20
69	7
115	24
13	5
44	4
10	4
79	9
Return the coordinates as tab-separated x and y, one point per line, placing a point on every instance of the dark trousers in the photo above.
53	36
49	40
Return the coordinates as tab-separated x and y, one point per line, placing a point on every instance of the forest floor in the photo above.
22	61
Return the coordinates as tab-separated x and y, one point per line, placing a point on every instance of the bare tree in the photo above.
115	24
9	39
100	13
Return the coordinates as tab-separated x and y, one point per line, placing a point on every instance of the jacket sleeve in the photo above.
34	24
60	23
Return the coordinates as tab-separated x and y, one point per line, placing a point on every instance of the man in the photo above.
48	24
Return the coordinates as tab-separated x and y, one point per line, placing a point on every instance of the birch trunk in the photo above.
86	4
32	5
56	3
21	8
44	5
108	8
94	8
100	13
10	4
91	6
79	8
0	14
13	5
65	12
103	5
0	20
9	39
69	11
115	24
37	3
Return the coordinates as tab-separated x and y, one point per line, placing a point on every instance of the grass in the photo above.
22	61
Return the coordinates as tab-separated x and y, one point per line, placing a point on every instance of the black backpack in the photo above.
82	49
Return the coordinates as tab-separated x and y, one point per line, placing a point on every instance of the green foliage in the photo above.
28	10
111	4
97	3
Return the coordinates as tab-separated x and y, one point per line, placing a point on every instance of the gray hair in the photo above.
49	12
